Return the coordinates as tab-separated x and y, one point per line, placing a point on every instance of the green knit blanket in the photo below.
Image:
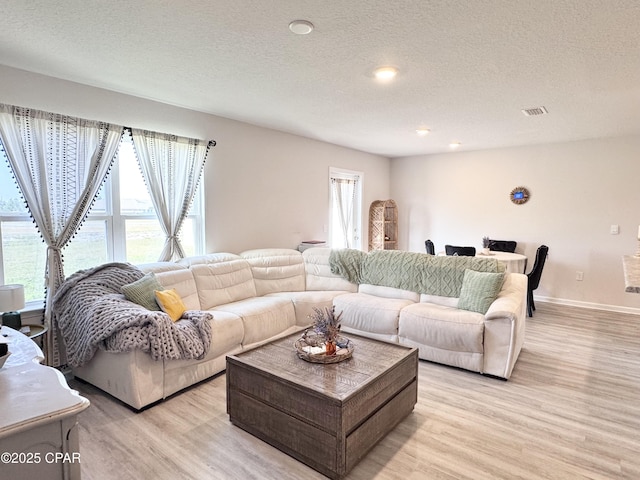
417	272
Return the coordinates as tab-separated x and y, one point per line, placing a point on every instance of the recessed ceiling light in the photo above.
301	27
385	73
454	145
422	131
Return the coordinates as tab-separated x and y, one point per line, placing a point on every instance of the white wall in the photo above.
270	189
578	190
263	188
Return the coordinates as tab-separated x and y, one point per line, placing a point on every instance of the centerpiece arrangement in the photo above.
486	243
321	342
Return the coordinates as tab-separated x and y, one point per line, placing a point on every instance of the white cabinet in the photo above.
38	416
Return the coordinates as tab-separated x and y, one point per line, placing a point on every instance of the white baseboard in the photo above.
592	306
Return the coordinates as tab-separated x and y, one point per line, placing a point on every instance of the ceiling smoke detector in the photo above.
531	112
301	27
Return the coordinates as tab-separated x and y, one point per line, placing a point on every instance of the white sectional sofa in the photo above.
487	343
260	295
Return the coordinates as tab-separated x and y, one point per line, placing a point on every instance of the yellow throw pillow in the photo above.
170	303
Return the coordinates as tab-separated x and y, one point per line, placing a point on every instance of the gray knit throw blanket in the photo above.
92	313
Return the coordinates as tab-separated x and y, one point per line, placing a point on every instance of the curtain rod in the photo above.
212	143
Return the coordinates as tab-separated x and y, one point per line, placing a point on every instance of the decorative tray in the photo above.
311	348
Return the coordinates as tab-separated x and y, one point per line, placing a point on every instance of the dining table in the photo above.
513	262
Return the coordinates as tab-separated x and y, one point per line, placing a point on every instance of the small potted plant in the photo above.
326	324
486	243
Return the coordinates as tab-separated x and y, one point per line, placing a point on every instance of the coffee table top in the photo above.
338	381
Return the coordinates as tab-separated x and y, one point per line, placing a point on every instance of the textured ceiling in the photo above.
467	68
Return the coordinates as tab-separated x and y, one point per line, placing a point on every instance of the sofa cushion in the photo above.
370	313
158	267
439	300
207	258
443	327
305	302
276	270
262	317
388	292
174	275
227	332
142	291
479	290
318	272
183	282
223	282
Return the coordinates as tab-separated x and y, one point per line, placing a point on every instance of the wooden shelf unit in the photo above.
383	225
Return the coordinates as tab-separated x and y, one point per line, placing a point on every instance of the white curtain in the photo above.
344	192
171	167
59	163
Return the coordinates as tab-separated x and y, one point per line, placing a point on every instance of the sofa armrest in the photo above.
510	299
504	327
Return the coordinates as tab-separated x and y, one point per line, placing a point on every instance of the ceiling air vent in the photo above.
530	112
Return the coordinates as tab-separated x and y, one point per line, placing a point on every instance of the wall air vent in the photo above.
530	112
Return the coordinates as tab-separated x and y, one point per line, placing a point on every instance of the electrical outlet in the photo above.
615	229
579	276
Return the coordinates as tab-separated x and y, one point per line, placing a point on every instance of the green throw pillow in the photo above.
479	290
142	291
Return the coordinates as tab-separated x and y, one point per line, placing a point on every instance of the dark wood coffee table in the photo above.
327	416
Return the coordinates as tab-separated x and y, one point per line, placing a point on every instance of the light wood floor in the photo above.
571	410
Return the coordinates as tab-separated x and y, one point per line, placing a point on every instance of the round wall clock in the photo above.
519	195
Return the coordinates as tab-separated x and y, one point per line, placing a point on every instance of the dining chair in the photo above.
460	251
503	245
533	277
431	249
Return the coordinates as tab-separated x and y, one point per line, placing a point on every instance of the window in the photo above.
141	236
122	226
22	251
345	218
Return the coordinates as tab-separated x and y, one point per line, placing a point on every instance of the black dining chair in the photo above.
431	249
460	251
503	245
533	277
